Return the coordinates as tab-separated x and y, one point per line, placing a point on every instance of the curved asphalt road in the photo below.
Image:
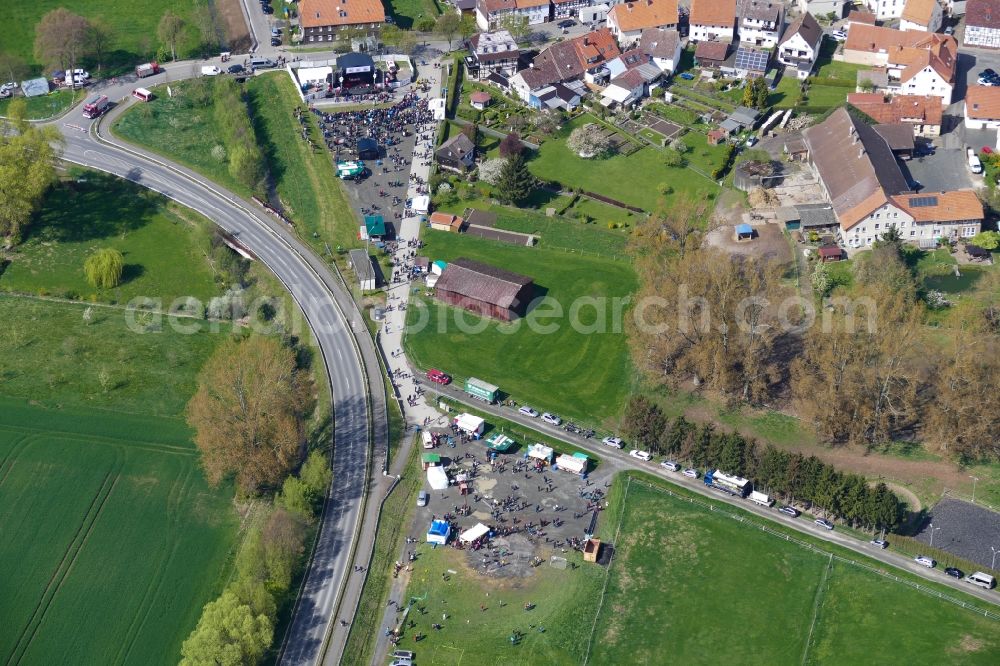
346	347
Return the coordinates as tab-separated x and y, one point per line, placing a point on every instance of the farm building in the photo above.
485	290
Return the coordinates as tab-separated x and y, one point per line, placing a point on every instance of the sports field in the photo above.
565	369
112	540
689	585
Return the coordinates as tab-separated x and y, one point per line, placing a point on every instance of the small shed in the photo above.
368	149
429	460
437	478
480	100
576	463
470	424
446	222
541	452
439	532
591	550
374	226
830	253
716	136
361	262
474	533
743	232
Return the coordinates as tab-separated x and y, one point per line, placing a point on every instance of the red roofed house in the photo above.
485	290
925	15
446	222
917	63
713	20
323	20
570	60
924	114
982	107
982	23
628	19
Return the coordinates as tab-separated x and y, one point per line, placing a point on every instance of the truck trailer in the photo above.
734	485
481	390
761	498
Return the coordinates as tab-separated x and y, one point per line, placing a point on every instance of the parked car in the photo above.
879	543
687	76
839	35
10	86
527	411
276	41
438	377
402	654
953	572
422	498
551	418
789	511
690	472
275	32
267	9
928	562
823	522
670	465
616	442
950	30
640	454
238	69
751	142
568	23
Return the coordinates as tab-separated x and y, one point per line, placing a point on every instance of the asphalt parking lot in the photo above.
943	171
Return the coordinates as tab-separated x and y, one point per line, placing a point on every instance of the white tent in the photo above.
436	106
439	532
572	464
541	452
437	477
432	280
473	533
421	204
315	75
470	424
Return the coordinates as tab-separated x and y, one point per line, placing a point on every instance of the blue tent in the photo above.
744	231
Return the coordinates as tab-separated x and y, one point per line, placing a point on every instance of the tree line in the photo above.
28	155
232	117
791	476
865	370
249	414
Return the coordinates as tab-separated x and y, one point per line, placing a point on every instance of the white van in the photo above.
981	579
142	94
210	70
975	166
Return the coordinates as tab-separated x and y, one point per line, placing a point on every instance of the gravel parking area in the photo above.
963	529
534	514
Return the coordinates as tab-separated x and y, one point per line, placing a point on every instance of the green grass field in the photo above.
40	108
717	578
591	371
132	25
116	539
406	12
633	179
164	245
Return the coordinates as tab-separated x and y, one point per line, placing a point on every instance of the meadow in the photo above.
576	373
45	106
164	245
131	23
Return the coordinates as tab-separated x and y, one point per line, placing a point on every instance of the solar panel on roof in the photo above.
923	202
751	60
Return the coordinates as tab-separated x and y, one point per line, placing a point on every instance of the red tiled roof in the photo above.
319	13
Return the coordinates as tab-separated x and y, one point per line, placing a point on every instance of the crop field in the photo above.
164	245
132	24
701	579
114	536
590	367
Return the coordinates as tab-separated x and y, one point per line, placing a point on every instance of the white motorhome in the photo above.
981	579
761	498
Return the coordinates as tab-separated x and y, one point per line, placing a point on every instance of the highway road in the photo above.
346	347
621	460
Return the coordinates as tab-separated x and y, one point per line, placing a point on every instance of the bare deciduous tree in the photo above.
61	39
